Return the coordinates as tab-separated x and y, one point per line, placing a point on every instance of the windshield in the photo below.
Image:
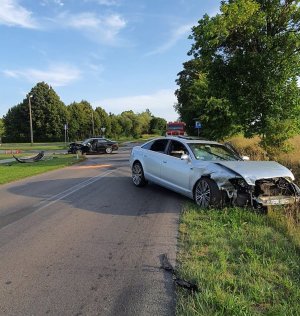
209	152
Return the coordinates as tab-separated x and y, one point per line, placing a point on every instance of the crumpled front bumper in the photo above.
280	199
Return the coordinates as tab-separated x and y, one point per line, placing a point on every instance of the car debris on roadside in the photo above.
166	265
36	158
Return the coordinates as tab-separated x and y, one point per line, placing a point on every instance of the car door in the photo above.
153	158
176	172
101	145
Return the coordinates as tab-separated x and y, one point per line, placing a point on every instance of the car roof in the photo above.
191	139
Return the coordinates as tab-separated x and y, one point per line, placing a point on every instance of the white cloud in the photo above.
104	2
13	14
159	103
49	2
59	2
176	35
99	28
56	75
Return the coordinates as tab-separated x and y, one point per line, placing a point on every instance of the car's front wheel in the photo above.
138	177
207	193
108	150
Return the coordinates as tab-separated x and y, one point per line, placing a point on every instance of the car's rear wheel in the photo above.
207	193
108	150
138	177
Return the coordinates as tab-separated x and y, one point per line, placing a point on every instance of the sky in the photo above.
117	54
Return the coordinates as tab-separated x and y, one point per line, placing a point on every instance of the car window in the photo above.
212	152
177	149
147	145
159	145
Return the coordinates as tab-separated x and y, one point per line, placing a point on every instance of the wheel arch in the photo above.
137	161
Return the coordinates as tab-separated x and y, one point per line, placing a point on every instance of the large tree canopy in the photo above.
244	71
48	116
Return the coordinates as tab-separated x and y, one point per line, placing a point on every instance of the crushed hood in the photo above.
255	170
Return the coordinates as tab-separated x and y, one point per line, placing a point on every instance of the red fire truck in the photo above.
175	128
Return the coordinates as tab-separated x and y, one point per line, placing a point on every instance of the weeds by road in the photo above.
243	263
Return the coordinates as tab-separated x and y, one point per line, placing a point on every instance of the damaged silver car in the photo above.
212	174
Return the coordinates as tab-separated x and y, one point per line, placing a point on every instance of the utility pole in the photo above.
66	132
93	127
30	119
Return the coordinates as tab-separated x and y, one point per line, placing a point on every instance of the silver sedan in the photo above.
211	173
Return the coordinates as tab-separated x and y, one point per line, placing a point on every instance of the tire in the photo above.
138	177
207	193
108	150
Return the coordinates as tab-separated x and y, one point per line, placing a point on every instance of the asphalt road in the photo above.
85	241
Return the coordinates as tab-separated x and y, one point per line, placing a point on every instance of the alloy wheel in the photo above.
203	194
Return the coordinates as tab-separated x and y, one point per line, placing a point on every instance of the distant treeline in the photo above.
51	118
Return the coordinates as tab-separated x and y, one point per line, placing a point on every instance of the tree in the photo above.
104	121
248	60
48	116
48	113
197	101
157	125
2	130
144	120
81	118
116	128
16	124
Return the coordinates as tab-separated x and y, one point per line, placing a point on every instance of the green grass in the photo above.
243	263
10	156
36	146
15	171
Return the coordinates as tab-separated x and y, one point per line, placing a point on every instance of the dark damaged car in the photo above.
94	145
212	174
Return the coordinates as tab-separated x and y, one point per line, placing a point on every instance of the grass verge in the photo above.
10	156
15	171
36	146
243	263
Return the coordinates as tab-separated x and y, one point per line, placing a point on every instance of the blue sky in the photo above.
117	54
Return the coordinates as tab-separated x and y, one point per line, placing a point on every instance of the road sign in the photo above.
198	124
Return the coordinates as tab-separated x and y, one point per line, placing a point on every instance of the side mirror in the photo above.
246	158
